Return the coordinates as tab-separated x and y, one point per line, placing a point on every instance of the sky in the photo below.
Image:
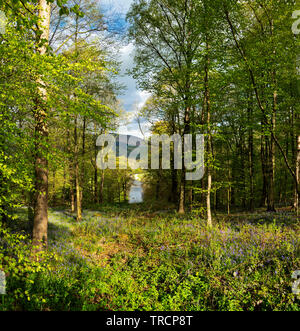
132	98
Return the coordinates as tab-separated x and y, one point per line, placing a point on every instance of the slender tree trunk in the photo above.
72	198
101	188
273	125
190	198
243	175
296	157
228	200
264	175
40	223
81	173
208	202
272	155
157	189
174	190
53	188
298	175
182	187
174	193
270	177
209	137
125	190
250	158
76	143
181	208
71	170
293	140
229	185
64	184
77	174
96	197
31	209
285	178
96	190
119	192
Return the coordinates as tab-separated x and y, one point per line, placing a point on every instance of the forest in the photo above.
78	237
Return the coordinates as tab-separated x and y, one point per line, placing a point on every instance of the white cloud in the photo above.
144	96
120	6
132	99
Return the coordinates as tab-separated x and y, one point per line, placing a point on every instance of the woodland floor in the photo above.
135	258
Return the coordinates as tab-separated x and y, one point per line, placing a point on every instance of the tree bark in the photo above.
101	188
181	209
251	156
209	137
96	197
77	174
263	201
40	222
297	174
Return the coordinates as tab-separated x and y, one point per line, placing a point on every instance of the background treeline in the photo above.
228	69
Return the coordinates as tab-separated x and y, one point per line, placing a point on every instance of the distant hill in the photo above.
121	142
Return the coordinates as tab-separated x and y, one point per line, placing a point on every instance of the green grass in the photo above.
132	259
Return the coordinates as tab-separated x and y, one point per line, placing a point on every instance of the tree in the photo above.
168	32
36	97
40	225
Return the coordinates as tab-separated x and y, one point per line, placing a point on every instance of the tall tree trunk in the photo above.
190	198
125	190
272	155
270	176
77	174
72	197
285	177
101	188
209	137
182	187
264	175
96	190
273	125
296	158
53	188
251	156
81	173
187	130
174	193
71	170
297	174
243	175
40	222
157	188
174	189
181	208
96	197
228	200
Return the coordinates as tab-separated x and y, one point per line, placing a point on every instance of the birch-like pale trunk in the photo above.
40	223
